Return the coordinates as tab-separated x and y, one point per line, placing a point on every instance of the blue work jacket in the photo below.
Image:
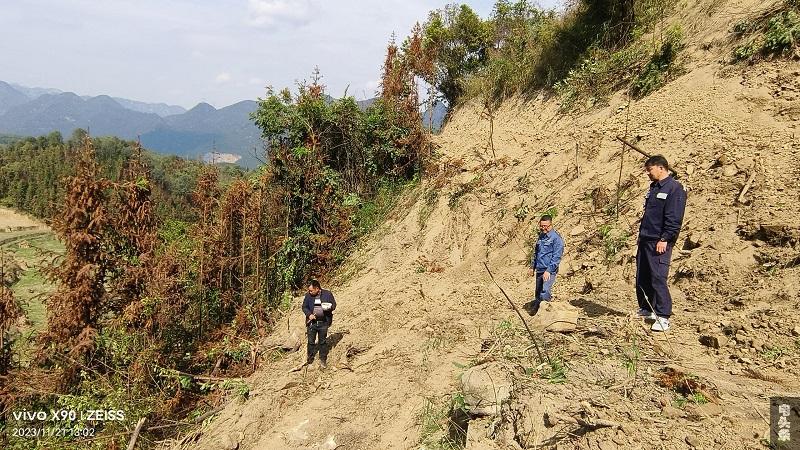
548	252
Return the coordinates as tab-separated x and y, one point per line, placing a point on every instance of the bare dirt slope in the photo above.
13	221
416	305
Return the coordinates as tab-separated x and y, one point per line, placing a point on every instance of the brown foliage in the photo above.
133	231
80	300
400	94
10	312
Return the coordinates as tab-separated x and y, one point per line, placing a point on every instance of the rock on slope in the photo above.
417	306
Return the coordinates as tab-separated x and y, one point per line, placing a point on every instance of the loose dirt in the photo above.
416	306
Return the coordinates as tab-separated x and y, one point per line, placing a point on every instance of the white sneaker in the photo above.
647	314
660	324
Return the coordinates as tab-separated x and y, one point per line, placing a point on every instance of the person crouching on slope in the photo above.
318	307
546	258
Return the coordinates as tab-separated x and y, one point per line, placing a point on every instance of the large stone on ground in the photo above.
299	432
714	340
485	388
329	444
729	170
285	340
556	316
230	442
577	230
478	435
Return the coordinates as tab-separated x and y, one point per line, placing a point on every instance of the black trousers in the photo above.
315	329
652	271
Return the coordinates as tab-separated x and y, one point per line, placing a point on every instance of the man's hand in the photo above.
530	272
661	247
546	276
312	317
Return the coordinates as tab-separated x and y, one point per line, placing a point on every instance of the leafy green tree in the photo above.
460	41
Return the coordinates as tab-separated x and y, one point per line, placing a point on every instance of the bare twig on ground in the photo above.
196	421
759	413
633	146
622	158
135	436
591	424
747	185
530	333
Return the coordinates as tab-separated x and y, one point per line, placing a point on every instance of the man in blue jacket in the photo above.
318	307
664	206
545	260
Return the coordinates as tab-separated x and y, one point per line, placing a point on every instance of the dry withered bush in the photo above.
10	312
133	231
400	97
80	300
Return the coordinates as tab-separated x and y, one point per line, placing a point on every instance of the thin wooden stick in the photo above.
747	185
196	421
622	158
672	167
633	146
533	338
132	442
592	424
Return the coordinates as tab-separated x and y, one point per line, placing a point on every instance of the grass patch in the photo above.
555	371
662	67
367	215
599	75
680	401
775	34
505	325
614	240
31	289
604	72
631	357
443	424
773	353
427	208
32	253
463	189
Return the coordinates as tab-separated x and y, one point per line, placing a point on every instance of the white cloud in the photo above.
255	81
223	77
268	13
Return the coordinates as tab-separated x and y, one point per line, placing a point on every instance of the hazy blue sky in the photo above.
217	51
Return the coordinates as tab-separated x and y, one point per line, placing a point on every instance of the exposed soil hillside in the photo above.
417	307
13	221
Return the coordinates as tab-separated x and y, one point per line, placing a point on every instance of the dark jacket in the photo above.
548	252
664	206
325	296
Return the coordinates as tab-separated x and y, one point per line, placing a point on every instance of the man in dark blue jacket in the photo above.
318	307
545	260
664	207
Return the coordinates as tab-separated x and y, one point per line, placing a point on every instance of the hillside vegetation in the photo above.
419	316
188	319
171	270
31	171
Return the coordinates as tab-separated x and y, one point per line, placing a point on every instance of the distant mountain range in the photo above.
226	134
